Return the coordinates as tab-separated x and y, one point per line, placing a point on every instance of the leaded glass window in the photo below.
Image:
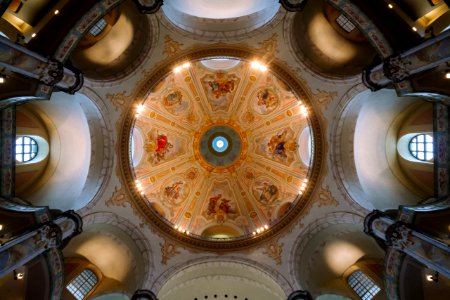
421	147
98	27
82	284
362	285
26	149
345	23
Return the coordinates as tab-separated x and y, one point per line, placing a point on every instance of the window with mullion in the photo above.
363	286
421	147
26	149
81	285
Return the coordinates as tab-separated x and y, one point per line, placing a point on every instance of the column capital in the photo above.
396	68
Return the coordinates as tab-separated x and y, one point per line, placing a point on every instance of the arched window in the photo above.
98	27
362	285
345	23
81	285
26	149
421	147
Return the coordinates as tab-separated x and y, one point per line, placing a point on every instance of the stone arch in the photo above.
309	232
261	269
139	240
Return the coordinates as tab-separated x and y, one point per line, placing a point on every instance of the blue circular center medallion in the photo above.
220	143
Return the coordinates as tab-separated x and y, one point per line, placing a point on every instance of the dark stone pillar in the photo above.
402	237
18	59
399	67
20	250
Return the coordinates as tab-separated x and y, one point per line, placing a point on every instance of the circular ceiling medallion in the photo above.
224	163
220	148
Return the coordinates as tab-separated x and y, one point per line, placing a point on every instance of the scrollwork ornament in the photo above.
50	236
52	73
396	68
399	236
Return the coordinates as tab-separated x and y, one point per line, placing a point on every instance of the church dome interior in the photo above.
223	149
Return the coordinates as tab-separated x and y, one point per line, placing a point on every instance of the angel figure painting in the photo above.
158	146
175	103
219	88
281	145
175	193
220	208
266	192
266	102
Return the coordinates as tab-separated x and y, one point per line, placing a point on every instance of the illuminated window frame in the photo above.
83	284
26	149
98	27
363	286
421	147
345	23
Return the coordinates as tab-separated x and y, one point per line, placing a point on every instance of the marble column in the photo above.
22	249
399	67
18	59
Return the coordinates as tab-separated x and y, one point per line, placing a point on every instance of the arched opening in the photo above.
324	261
220	232
137	147
219	20
416	148
362	285
114	46
83	284
374	172
31	148
221	280
112	252
71	129
328	43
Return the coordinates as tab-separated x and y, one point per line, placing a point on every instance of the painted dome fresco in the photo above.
221	151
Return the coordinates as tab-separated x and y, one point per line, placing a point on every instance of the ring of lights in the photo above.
200	242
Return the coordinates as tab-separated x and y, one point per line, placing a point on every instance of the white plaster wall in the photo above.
70	152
